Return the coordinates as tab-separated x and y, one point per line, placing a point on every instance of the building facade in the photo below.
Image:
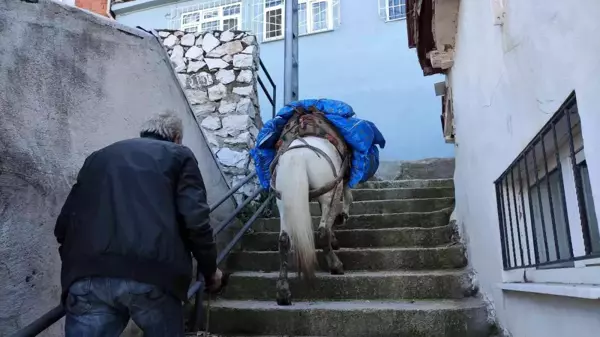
520	105
100	7
352	51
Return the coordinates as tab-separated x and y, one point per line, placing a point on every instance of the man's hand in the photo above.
215	281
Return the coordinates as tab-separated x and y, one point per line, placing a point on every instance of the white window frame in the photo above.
266	10
384	10
581	272
220	17
309	18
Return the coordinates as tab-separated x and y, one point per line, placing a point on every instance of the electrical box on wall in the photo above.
499	11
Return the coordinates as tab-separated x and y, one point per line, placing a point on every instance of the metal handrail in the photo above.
42	323
197	288
272	98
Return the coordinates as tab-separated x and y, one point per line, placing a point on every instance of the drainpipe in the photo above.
290	70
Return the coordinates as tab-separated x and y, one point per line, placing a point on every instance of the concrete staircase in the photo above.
405	274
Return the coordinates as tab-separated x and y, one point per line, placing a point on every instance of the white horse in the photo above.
298	171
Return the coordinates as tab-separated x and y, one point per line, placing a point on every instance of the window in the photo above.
546	209
274	24
227	17
392	10
313	16
544	213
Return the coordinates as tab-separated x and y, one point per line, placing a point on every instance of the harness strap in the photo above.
318	191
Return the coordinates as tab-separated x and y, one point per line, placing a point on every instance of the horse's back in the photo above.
318	168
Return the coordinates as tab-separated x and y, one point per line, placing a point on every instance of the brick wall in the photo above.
96	6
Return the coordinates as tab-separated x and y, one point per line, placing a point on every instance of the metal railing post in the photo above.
198	317
290	70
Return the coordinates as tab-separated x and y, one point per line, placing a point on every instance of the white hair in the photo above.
165	125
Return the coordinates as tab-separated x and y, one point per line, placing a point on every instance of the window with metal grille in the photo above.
545	205
219	16
313	16
392	10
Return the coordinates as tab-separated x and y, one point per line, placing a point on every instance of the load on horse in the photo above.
314	150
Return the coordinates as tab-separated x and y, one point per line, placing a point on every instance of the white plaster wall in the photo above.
507	82
57	105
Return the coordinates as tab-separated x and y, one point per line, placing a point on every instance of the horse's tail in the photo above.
296	215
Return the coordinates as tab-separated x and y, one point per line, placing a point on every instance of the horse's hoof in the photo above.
322	233
337	271
335	245
284	301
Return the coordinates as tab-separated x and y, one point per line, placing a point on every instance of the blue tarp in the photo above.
361	135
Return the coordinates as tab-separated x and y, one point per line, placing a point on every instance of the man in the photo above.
126	230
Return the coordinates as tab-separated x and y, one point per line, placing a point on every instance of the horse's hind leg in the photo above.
325	236
342	218
348	199
284	295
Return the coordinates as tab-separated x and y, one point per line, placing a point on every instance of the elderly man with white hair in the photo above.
127	231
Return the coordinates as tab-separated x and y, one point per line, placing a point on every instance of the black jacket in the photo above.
137	211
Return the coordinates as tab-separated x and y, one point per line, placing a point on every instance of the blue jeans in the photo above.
101	307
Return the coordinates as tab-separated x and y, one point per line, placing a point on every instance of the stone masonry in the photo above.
217	71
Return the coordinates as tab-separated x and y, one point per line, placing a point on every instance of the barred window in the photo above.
545	204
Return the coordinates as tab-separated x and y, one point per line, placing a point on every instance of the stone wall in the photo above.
217	71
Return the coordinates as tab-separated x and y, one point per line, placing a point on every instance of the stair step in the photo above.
391	285
442	318
416	183
390	206
361	259
401	193
363	238
373	221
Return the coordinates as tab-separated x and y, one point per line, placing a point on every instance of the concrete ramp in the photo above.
70	83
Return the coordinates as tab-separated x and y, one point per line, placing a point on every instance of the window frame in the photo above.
220	18
384	10
309	18
584	269
266	10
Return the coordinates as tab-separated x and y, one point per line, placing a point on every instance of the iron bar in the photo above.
262	65
524	212
235	213
566	105
232	191
536	251
198	317
539	193
553	263
262	85
242	231
502	226
274	96
562	192
505	226
274	106
512	178
551	203
585	229
512	229
42	323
